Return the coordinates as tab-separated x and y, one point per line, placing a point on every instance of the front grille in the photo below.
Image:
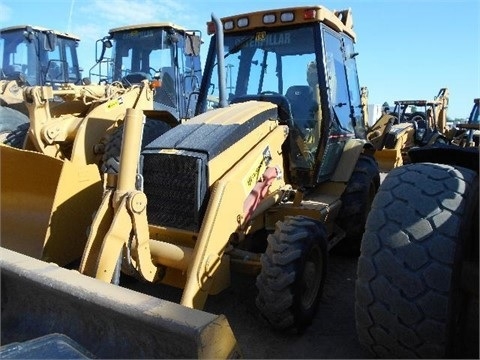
176	186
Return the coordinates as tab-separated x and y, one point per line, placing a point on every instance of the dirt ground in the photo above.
332	334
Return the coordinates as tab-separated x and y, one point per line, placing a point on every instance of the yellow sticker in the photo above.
114	103
256	171
111	104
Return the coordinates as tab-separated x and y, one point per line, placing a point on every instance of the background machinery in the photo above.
31	56
277	174
51	185
73	137
164	52
34	55
468	134
412	123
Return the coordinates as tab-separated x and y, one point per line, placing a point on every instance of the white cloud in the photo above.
5	13
91	20
123	12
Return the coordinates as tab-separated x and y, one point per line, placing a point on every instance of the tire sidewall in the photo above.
304	315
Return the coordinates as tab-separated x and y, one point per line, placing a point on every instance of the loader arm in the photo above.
119	214
80	118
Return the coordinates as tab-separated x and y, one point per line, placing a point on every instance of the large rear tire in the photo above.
293	273
423	224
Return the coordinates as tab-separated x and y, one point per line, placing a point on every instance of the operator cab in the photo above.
303	60
165	54
427	117
36	56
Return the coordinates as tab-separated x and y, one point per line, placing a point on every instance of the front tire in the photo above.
423	224
293	273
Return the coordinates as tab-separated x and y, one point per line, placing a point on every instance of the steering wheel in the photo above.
270	93
153	71
135	78
420	125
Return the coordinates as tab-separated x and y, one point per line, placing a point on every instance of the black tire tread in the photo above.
356	203
280	267
406	270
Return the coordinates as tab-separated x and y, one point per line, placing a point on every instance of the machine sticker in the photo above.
114	103
256	172
136	34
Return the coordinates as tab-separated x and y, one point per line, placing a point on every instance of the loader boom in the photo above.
65	144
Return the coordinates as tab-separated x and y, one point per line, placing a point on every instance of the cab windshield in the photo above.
150	53
266	62
309	72
29	60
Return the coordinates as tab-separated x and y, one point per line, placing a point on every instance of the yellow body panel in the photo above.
51	189
388	159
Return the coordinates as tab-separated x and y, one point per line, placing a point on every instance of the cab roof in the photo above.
341	20
148	26
39	29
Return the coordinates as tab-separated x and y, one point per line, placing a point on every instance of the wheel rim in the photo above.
311	278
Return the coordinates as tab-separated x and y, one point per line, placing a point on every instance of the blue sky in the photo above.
408	49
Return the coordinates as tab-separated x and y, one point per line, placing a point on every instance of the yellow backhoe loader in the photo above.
412	123
267	182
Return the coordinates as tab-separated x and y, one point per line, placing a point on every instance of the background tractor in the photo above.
412	123
163	52
73	137
31	56
51	185
267	182
467	134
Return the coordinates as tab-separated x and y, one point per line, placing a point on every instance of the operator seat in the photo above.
302	104
166	93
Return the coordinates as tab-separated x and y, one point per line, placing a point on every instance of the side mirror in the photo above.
192	45
106	44
50	41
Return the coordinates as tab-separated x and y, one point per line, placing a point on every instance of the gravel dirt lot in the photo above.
332	334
